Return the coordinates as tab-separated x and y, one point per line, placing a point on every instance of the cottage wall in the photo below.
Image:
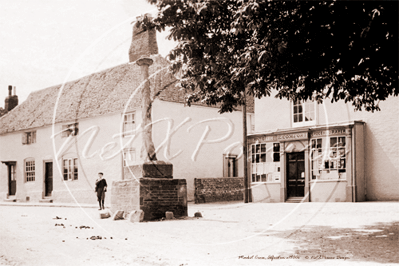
95	150
98	158
381	144
209	160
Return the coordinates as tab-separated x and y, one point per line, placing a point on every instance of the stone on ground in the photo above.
105	214
136	216
197	214
169	215
118	215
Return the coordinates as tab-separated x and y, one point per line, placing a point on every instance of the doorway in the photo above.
12	182
48	179
230	166
296	174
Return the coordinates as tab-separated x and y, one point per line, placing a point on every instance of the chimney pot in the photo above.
11	101
15	90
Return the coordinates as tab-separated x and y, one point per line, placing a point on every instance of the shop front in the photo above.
316	164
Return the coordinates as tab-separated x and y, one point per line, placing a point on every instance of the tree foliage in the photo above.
303	49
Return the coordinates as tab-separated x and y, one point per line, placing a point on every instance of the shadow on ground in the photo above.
377	243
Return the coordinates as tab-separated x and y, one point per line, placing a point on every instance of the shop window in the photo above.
276	152
129	156
70	130
28	137
265	162
304	113
328	161
70	169
30	170
128	124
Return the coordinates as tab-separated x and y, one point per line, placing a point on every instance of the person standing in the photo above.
101	188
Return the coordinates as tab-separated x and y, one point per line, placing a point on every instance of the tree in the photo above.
302	49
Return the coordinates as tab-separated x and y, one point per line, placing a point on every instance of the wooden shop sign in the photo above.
331	132
293	136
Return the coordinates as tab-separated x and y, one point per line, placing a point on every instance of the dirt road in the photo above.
228	234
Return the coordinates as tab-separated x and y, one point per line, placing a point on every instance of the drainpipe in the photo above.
353	164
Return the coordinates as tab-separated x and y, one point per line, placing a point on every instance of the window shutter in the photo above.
24	138
33	136
76	129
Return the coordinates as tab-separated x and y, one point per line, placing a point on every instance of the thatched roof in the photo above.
2	111
101	93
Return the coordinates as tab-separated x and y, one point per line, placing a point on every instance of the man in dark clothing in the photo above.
101	188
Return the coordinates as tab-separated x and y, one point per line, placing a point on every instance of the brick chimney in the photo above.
11	101
144	43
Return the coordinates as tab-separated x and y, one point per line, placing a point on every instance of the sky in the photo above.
47	42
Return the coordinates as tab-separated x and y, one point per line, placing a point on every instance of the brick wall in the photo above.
158	196
154	196
218	189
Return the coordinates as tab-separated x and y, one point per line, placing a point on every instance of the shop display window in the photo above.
265	158
328	161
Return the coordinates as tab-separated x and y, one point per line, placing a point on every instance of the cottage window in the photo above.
29	137
70	169
30	170
304	113
328	161
70	130
265	158
128	124
129	156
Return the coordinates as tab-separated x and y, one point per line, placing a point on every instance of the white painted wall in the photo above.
98	158
209	159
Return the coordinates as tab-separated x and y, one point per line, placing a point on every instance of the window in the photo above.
129	156
70	169
276	152
303	113
70	130
128	124
265	158
328	162
30	170
29	137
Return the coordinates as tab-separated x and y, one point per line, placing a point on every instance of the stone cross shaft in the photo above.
148	149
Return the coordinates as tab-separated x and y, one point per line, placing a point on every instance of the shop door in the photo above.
295	174
12	182
48	180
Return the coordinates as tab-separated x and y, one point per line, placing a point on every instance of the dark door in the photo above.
231	167
296	174
48	180
12	182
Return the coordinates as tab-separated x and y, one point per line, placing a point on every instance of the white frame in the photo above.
270	176
126	152
72	164
31	171
125	122
304	123
326	147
